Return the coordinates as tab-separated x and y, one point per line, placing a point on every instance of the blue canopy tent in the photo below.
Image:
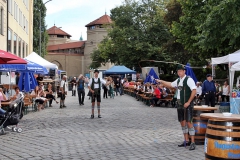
151	76
29	67
190	73
27	81
119	70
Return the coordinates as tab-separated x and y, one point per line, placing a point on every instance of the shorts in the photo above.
40	101
188	116
62	96
98	97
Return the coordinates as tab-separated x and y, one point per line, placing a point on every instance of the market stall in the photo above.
230	60
235	97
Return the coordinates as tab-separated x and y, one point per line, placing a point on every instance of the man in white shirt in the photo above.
63	91
198	97
94	87
185	95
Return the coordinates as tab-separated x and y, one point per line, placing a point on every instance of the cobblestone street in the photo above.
128	129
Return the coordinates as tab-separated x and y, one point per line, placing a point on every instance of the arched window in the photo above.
1	20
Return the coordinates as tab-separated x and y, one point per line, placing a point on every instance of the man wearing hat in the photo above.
186	91
94	87
209	90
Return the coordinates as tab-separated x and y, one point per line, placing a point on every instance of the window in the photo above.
27	4
10	6
15	44
9	40
1	20
26	26
16	11
26	49
23	25
91	27
19	47
20	17
23	49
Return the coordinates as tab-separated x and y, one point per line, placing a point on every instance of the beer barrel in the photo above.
222	141
200	125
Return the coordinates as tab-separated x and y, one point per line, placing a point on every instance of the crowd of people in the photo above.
184	90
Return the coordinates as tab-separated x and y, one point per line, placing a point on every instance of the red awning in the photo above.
8	58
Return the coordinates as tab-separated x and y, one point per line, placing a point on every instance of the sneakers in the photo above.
64	106
183	145
82	103
61	106
151	106
192	146
92	116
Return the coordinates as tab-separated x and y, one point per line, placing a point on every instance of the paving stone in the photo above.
128	130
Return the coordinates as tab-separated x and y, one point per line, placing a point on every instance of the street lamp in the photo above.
40	30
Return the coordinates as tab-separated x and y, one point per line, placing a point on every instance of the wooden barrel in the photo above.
200	124
222	140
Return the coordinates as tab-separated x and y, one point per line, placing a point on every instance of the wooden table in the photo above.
200	124
219	116
222	139
5	103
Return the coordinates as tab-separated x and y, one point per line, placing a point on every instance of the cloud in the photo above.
73	15
56	6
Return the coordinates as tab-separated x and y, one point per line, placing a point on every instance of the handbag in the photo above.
89	94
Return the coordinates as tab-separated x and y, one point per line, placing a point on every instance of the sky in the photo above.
73	15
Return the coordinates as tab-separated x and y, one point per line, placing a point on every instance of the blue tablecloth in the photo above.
235	105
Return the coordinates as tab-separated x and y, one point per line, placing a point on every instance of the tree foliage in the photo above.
199	30
39	8
138	33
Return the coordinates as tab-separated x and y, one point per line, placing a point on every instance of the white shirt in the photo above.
190	83
96	85
225	90
63	83
199	90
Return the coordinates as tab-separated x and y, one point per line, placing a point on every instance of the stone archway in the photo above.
60	67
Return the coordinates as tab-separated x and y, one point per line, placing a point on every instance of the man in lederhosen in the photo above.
94	87
186	91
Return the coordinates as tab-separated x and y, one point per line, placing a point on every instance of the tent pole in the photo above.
230	80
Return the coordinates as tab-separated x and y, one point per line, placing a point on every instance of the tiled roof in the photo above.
57	31
66	46
105	19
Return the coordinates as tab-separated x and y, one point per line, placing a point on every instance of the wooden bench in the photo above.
168	99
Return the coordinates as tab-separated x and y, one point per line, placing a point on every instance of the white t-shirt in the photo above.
190	82
62	84
199	90
225	90
96	85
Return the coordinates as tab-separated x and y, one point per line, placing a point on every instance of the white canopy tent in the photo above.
34	57
235	67
230	60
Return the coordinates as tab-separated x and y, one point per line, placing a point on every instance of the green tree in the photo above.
39	8
138	33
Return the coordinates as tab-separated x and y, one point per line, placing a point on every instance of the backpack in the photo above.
81	85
